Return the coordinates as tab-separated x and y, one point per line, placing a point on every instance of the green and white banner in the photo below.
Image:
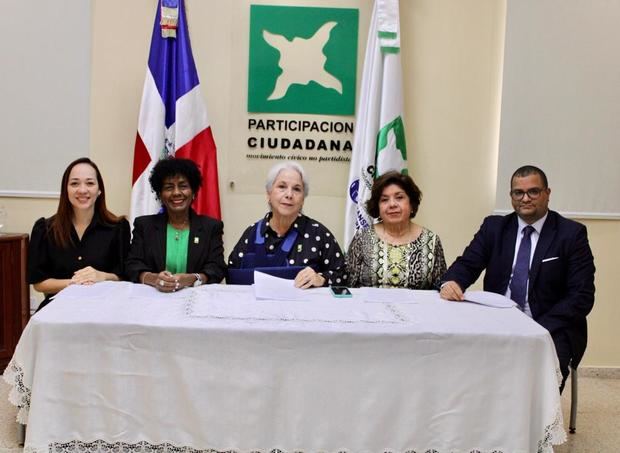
302	60
379	141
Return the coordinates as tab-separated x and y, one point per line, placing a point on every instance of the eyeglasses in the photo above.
531	193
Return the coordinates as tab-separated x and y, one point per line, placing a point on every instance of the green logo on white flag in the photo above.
391	148
302	60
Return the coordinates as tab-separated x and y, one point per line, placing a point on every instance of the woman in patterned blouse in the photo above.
285	242
395	252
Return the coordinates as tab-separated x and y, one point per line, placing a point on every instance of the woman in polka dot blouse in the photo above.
286	240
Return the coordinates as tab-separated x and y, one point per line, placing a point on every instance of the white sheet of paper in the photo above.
275	288
489	299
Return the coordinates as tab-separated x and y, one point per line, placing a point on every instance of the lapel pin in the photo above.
299	247
196	240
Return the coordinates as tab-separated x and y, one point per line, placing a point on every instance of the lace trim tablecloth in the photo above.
118	333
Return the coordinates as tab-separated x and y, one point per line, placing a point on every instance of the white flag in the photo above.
379	141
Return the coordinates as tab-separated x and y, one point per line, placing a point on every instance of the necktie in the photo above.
520	274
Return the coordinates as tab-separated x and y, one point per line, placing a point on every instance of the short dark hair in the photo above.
528	170
173	166
401	180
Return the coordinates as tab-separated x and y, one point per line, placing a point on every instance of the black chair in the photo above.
573	400
21	434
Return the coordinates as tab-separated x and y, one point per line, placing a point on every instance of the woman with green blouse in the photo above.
176	248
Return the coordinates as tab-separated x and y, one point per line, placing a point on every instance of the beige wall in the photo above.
452	57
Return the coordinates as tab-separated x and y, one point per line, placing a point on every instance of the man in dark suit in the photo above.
539	259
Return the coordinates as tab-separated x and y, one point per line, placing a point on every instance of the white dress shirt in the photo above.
538	225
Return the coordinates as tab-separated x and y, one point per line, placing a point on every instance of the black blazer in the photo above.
561	282
205	247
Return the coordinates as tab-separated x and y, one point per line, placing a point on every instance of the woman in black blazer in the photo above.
176	248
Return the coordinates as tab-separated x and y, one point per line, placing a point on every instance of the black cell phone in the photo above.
340	291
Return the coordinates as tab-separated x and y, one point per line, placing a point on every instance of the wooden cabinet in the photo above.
14	293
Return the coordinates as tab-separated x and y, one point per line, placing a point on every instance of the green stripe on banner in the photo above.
388	34
389	49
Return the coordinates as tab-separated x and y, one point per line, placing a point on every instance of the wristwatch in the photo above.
198	281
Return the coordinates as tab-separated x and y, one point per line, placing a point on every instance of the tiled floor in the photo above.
7	420
598	418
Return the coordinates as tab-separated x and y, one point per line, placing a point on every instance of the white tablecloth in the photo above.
120	367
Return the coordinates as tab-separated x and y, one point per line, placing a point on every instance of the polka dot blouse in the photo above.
315	246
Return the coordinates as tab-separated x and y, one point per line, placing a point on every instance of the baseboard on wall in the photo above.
600	372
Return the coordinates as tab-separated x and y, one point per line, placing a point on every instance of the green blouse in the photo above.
176	250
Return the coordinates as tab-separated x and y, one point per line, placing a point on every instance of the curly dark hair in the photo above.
173	166
401	180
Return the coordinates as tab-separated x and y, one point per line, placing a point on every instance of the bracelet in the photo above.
198	280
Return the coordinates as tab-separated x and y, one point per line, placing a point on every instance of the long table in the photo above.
120	367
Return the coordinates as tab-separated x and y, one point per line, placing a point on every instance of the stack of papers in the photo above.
489	299
275	288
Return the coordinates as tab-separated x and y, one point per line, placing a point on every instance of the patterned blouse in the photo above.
417	265
315	246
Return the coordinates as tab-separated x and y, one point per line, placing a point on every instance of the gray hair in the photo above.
288	165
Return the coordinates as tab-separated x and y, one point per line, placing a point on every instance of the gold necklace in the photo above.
177	231
399	237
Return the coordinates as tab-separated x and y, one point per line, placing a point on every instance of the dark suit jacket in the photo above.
205	247
561	282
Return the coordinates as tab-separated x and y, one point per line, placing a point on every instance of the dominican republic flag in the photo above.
173	117
379	140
